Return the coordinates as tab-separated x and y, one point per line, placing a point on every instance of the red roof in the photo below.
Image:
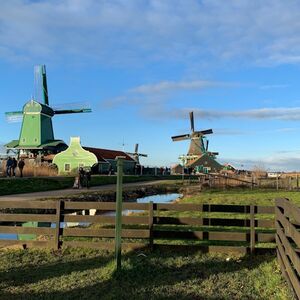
103	154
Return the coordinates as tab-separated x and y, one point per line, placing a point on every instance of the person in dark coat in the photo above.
14	166
8	167
21	165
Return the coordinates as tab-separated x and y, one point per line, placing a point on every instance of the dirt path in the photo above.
67	192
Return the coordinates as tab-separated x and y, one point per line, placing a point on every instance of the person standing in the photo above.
21	165
8	166
14	166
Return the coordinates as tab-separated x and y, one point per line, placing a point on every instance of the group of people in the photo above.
83	179
12	164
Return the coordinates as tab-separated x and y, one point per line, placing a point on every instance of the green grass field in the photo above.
168	274
87	274
242	196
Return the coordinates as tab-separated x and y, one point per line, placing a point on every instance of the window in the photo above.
67	167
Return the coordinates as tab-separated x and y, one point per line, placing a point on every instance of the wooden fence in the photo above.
288	242
241	228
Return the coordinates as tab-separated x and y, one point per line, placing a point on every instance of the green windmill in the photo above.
37	134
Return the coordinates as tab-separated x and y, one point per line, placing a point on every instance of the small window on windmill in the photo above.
35	139
67	167
23	140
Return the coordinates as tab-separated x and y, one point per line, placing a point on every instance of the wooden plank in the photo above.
283	271
178	206
252	229
150	226
104	205
27	230
57	225
104	219
169	234
30	204
265	210
289	229
289	250
27	218
201	235
265	223
265	237
33	244
89	205
108	233
103	245
288	268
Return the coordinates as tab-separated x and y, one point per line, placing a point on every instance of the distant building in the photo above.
204	164
101	161
106	159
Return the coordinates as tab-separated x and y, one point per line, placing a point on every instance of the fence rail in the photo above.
240	228
288	242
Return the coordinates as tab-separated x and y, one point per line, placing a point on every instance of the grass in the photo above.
242	196
173	274
91	274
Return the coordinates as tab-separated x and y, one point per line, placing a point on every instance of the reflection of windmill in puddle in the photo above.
36	135
198	156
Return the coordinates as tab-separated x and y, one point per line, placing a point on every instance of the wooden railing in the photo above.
288	242
241	228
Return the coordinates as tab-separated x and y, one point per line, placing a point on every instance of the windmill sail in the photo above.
197	145
14	116
40	84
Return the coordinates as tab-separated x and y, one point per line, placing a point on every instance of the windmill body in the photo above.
37	135
198	156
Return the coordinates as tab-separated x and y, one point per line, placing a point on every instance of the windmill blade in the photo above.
204	132
40	84
192	121
136	149
181	137
206	148
143	155
14	116
72	111
72	108
213	153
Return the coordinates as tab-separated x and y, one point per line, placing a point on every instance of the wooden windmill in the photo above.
199	143
136	155
36	133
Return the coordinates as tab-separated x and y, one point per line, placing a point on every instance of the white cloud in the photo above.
272	163
171	86
116	32
279	113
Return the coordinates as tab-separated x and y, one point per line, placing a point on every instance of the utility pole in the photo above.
118	225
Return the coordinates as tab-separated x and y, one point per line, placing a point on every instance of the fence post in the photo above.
277	182
56	242
151	225
252	229
118	225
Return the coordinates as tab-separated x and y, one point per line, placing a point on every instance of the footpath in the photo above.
68	192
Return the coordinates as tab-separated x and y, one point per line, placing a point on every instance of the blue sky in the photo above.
143	65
